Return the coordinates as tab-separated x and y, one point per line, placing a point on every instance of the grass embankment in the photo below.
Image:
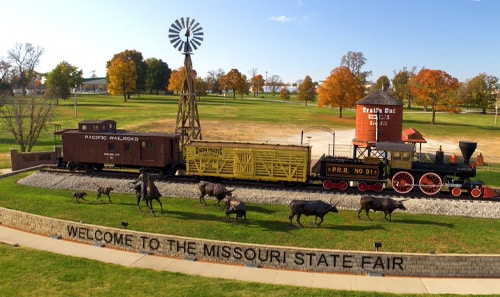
268	224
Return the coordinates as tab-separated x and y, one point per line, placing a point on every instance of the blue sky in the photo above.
289	38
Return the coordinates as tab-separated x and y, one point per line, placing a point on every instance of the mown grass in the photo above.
268	224
27	272
144	111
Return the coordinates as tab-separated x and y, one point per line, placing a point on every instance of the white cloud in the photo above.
281	19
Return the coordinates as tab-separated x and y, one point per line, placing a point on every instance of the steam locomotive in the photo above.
398	168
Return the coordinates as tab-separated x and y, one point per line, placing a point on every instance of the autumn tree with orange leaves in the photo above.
175	81
341	89
122	77
232	81
437	89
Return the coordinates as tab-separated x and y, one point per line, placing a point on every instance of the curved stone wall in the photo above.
279	257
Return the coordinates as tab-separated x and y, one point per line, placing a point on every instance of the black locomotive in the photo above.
397	167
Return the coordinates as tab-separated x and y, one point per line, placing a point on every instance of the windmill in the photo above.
186	35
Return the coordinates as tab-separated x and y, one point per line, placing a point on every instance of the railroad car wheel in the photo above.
430	183
378	187
402	182
71	166
476	192
362	186
456	191
327	185
343	185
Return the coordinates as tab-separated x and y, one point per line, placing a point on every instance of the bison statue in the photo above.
317	208
234	205
386	205
213	190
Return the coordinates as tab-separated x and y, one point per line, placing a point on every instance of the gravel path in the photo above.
467	208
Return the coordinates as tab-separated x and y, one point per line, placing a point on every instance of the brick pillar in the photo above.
14	160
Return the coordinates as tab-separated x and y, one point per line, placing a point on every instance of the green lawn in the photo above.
26	272
268	224
145	111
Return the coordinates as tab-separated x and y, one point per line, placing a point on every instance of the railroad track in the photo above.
312	188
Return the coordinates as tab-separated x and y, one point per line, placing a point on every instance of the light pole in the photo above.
265	82
76	113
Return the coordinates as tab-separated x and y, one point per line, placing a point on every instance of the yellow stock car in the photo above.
249	161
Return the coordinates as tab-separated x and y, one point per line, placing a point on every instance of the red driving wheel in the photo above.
402	182
430	183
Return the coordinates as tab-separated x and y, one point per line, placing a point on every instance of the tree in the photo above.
274	82
213	79
402	85
25	118
437	89
200	87
481	91
285	94
25	58
61	79
157	75
307	90
340	89
231	81
383	83
354	61
140	69
243	86
122	77
175	81
257	83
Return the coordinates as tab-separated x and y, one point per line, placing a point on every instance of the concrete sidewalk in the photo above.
409	285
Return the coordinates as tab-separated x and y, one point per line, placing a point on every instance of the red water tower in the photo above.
379	118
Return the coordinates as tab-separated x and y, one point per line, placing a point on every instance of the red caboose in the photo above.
97	143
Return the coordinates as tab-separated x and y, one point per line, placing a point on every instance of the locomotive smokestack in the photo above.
467	149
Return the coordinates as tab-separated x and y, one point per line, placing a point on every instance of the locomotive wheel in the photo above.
456	191
343	185
378	187
327	185
362	186
476	192
402	182
430	183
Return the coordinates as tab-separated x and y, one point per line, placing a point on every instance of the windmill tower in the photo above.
186	35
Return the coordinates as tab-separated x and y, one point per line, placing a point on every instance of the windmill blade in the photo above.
193	24
190	23
198	36
179	25
173	31
174	28
178	45
193	45
196	28
196	42
175	41
183	23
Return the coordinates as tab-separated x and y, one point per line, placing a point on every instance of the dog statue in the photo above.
78	196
